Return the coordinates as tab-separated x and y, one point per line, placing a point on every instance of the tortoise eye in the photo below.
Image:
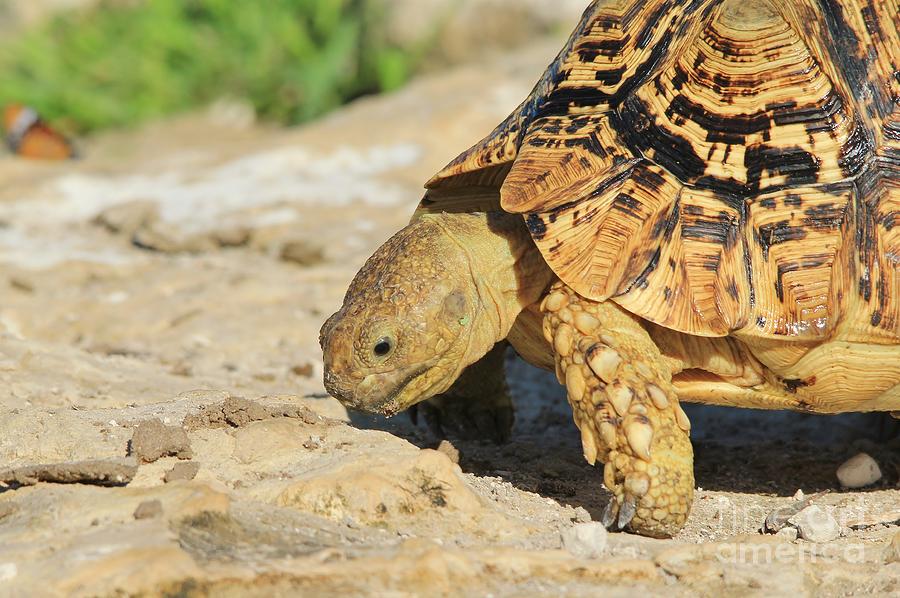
383	347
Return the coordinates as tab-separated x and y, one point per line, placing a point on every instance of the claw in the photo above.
627	511
608	518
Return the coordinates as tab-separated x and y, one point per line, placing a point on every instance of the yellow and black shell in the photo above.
714	166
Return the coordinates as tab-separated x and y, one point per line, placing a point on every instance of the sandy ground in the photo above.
164	430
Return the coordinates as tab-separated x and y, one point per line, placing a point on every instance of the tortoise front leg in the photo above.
623	403
477	406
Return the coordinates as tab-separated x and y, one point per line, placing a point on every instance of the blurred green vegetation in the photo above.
121	63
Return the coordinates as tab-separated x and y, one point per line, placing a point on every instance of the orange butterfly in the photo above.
30	137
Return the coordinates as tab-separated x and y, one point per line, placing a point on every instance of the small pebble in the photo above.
788	533
152	439
892	552
859	471
148	509
304	370
302	253
581	515
779	518
816	525
448	449
585	540
182	471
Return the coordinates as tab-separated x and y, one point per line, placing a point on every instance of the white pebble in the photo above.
788	533
585	540
859	471
816	525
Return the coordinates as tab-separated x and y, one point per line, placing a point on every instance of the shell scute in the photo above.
717	167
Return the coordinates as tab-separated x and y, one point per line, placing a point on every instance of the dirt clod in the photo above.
113	472
182	471
152	440
235	412
302	253
304	370
148	509
448	449
164	237
127	218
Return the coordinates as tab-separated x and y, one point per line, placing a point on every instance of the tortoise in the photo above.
698	202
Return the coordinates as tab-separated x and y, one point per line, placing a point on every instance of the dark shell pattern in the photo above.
718	167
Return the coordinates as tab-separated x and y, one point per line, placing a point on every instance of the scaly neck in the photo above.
507	269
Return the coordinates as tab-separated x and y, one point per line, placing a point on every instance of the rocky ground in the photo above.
164	431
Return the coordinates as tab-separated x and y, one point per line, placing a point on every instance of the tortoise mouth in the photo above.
392	404
388	393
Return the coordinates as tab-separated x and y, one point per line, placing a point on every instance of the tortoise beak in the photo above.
341	379
370	392
375	393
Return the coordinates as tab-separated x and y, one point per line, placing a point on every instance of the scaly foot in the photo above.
626	409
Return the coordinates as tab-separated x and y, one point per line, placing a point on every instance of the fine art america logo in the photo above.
846	517
729	539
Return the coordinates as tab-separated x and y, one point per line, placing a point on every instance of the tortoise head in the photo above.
405	325
430	301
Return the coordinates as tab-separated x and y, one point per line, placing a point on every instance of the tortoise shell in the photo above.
716	167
